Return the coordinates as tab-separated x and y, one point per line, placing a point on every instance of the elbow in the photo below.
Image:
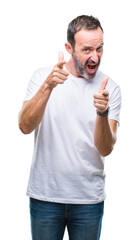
23	128
23	122
104	152
107	150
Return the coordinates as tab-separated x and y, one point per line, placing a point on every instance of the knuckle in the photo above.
66	73
63	72
61	82
55	69
54	79
65	78
53	74
95	95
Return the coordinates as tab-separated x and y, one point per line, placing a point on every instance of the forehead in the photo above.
89	37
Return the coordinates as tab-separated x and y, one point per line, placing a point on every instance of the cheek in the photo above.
83	59
100	54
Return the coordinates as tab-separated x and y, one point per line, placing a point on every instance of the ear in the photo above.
69	48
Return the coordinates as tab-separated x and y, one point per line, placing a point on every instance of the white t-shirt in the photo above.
66	167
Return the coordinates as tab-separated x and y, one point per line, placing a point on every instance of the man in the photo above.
74	110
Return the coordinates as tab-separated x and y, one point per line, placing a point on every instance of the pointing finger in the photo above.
61	60
103	84
60	57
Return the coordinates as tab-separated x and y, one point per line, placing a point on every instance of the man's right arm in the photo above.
32	111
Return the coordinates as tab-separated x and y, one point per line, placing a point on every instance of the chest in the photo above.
72	100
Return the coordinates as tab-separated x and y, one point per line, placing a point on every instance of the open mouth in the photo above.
91	68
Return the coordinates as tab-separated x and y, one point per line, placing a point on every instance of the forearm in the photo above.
104	137
33	110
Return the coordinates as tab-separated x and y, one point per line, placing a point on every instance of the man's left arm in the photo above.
105	129
105	135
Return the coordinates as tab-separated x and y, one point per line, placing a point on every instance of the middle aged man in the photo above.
74	109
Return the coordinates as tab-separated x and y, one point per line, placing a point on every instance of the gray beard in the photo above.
81	70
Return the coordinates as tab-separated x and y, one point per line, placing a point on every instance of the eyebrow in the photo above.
87	46
100	45
90	47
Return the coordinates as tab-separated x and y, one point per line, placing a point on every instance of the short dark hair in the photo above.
81	22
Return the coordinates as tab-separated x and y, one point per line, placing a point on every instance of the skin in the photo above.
105	130
88	49
32	111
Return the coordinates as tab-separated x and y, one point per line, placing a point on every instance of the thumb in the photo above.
61	60
103	84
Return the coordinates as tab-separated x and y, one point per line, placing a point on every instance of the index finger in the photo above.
103	84
61	60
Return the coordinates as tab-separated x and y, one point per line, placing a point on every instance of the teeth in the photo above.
91	66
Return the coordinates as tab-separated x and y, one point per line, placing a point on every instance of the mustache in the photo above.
92	62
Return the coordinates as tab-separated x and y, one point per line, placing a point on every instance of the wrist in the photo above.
103	114
48	85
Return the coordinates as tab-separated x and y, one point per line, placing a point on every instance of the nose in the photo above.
94	56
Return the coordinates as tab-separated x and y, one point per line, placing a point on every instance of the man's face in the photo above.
87	52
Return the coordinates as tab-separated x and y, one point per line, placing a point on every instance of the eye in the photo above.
86	50
99	49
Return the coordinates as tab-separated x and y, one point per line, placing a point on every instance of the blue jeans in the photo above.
49	219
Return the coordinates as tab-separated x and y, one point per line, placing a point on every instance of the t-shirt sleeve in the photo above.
115	104
33	85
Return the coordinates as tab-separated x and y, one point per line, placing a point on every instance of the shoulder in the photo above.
41	73
111	82
37	79
111	85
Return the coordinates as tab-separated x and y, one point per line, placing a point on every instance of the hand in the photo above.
102	97
58	74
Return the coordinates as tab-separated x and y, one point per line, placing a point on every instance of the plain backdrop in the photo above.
32	32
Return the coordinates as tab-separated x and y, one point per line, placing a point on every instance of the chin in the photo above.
90	76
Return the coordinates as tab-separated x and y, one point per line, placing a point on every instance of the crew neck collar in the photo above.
82	78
